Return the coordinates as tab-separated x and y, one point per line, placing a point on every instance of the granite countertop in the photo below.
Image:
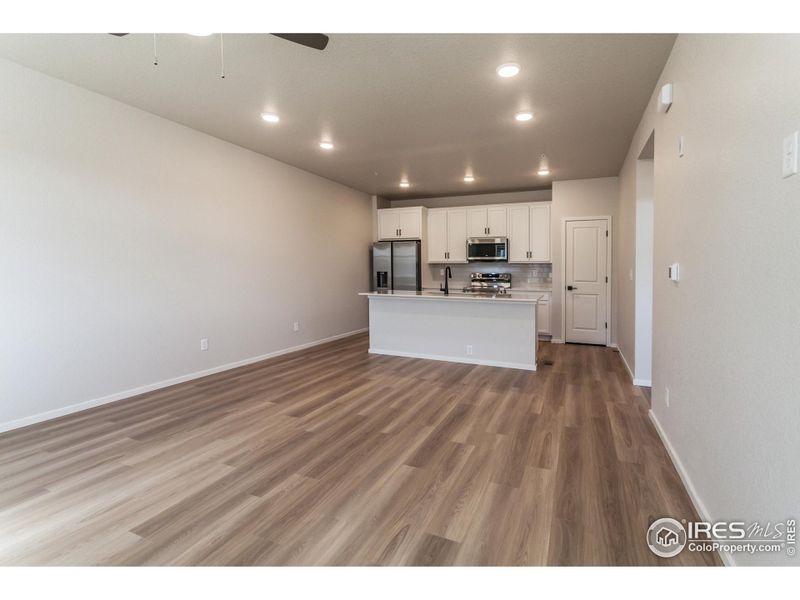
529	297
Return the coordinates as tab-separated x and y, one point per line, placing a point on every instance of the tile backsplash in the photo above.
522	276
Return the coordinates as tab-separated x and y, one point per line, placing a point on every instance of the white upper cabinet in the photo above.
519	233
447	235
540	232
437	235
400	223
529	232
456	235
485	221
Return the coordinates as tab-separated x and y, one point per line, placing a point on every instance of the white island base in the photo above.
494	331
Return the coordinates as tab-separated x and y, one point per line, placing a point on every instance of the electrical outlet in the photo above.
469	350
666	396
204	344
296	326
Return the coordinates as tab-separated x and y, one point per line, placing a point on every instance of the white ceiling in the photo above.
426	106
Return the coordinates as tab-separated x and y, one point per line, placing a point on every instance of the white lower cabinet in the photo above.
447	235
543	315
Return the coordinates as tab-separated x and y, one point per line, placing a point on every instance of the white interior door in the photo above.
585	283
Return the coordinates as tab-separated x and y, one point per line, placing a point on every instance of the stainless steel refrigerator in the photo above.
396	266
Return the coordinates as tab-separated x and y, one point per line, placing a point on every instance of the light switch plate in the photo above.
790	154
672	272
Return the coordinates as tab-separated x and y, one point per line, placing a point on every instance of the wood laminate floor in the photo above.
332	456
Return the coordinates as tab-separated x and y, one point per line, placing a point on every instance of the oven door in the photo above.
487	249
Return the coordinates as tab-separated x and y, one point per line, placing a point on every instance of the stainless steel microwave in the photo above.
487	249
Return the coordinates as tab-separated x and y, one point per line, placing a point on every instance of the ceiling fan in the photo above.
317	41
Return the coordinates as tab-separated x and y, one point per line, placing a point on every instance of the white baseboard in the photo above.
699	506
627	366
73	408
556	341
643	382
456	359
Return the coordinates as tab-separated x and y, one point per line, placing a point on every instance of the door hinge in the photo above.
606	232
606	324
606	278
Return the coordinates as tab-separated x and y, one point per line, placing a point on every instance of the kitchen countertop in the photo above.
529	297
544	287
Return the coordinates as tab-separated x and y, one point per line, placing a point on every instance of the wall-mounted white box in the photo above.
665	98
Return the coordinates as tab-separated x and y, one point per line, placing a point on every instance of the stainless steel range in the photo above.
489	283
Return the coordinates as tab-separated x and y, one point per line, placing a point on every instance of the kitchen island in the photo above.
497	330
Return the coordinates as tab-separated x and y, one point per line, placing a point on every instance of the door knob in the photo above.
569	287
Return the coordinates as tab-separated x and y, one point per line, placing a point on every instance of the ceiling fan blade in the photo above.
119	34
318	41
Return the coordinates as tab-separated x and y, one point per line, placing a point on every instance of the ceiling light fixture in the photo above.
468	178
544	169
508	70
200	34
326	145
523	116
270	117
404	184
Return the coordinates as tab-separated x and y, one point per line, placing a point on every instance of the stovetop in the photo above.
489	283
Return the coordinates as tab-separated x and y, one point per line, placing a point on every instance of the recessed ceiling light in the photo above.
326	145
201	34
523	116
508	70
270	117
468	178
543	172
404	184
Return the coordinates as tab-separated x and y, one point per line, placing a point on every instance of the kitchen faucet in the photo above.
448	274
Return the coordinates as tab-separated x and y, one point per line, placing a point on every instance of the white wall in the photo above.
643	279
725	337
125	238
580	198
624	290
